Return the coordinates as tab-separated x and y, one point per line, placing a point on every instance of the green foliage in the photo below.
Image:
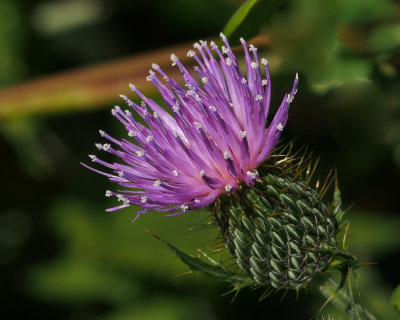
12	33
238	17
373	242
330	46
343	299
216	271
395	300
384	39
250	19
101	262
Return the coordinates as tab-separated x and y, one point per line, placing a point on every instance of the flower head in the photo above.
214	140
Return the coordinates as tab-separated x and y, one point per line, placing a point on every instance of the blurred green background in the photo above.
63	257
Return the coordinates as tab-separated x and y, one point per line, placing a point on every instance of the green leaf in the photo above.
216	271
238	17
384	38
395	300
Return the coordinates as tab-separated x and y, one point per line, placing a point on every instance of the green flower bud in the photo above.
280	231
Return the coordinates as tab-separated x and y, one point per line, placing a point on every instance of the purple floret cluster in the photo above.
212	140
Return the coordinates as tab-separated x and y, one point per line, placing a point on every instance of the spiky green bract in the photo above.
280	231
215	270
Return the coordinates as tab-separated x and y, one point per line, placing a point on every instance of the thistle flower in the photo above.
214	141
215	148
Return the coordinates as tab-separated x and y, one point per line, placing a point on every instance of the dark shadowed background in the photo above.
62	66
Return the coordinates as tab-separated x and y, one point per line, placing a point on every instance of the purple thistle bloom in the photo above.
215	140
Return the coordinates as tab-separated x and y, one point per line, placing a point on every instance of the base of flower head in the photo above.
280	231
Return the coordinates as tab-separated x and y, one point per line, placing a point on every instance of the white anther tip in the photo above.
252	174
254	65
252	48
197	125
228	188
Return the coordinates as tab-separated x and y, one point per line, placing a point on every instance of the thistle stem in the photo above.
343	299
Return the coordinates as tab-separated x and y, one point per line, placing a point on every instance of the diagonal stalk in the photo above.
343	299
